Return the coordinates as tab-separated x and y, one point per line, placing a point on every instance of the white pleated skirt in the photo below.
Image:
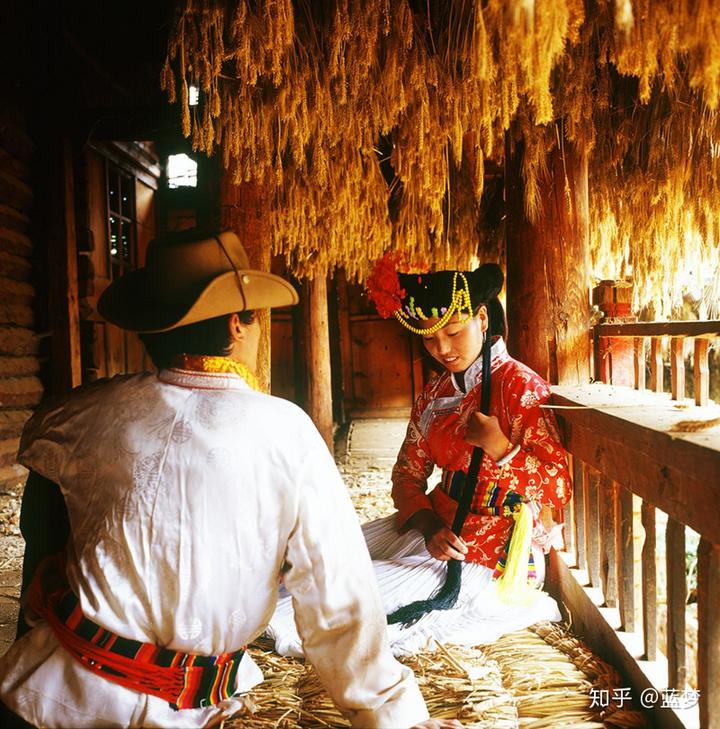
406	572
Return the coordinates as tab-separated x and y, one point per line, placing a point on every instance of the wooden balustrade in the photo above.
626	558
699	331
677	367
639	362
623	442
701	372
656	364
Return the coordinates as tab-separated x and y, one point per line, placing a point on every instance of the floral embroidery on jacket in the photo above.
436	432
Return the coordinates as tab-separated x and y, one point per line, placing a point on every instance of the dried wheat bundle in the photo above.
531	679
276	701
371	122
305	96
597	673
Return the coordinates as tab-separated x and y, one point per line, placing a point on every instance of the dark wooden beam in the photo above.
62	259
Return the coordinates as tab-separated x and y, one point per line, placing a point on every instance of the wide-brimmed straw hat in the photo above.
188	278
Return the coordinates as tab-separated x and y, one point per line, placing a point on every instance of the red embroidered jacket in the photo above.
435	436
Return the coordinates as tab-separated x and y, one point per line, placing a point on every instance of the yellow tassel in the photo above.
512	585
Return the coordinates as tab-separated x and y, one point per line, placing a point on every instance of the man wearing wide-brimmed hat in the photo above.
189	493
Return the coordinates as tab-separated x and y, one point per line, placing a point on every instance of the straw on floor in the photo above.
532	679
537	678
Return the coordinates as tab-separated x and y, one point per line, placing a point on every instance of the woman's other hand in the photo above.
438	724
484	431
441	542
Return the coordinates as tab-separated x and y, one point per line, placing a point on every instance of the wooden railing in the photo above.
677	331
628	443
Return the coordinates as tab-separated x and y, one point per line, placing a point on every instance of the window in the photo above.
181	171
121	219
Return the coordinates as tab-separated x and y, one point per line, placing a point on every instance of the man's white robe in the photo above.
189	494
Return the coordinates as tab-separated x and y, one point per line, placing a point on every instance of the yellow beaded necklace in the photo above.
204	363
459	301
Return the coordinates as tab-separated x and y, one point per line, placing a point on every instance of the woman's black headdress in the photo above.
413	298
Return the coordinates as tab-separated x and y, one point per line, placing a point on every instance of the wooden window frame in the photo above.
117	265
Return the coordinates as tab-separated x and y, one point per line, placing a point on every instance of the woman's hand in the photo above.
444	544
441	542
484	431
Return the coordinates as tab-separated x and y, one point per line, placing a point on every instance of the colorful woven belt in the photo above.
184	680
515	568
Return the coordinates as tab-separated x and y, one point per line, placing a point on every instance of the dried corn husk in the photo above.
695	426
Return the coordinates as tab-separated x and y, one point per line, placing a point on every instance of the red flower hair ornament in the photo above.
383	286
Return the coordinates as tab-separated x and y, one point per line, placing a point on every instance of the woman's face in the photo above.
457	345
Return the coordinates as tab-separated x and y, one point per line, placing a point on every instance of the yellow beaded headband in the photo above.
390	299
460	303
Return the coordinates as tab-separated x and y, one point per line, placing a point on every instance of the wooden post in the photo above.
548	266
677	368
62	259
626	579
709	634
335	346
243	209
608	551
614	355
300	319
345	343
320	385
656	364
569	521
676	597
580	519
591	482
701	371
649	583
639	362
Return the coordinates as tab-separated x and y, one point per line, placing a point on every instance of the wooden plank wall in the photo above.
20	385
385	363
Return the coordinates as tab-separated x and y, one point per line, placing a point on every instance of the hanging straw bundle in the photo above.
300	96
371	122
